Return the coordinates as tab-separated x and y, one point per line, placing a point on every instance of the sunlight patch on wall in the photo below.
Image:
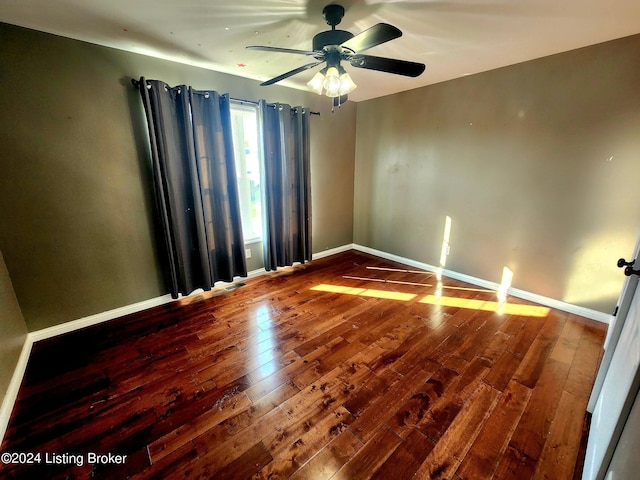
505	283
446	248
594	275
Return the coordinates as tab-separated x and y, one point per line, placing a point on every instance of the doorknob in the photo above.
623	263
628	271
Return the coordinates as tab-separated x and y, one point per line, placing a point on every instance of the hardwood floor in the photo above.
350	367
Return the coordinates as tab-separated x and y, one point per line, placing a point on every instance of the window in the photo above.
244	122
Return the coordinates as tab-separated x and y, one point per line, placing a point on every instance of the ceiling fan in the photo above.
333	46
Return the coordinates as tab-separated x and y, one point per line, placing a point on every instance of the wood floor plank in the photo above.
526	335
513	325
277	378
532	430
473	344
247	464
583	368
369	458
329	459
419	352
560	451
405	459
482	458
535	359
443	461
375	387
414	410
336	356
294	452
444	411
501	372
217	449
186	432
384	407
289	372
514	465
567	344
499	343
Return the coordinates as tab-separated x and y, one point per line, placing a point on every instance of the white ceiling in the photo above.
452	37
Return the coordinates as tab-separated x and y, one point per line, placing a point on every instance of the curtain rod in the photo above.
136	83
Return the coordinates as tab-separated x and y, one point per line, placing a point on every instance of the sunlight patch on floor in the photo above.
383	280
439	286
487	305
364	292
501	307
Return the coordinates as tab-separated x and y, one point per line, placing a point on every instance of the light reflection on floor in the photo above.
262	349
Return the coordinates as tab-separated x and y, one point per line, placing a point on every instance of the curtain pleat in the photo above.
287	191
196	191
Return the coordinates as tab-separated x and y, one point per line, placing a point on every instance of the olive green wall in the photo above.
78	228
536	164
13	328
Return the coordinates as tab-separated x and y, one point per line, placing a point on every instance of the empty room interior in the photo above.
414	276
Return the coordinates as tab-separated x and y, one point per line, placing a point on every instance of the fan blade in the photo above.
376	35
290	73
389	65
282	50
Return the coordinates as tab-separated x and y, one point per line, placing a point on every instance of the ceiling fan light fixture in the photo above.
347	85
331	82
334	81
316	83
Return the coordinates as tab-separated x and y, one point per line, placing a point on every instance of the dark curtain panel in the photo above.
287	186
195	183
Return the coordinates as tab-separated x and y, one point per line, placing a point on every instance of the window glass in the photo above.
244	120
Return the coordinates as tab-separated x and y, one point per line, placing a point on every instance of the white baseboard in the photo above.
332	251
14	386
97	318
256	273
516	292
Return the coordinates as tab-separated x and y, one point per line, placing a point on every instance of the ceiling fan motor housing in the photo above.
330	37
333	14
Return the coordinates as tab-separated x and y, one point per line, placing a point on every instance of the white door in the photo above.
615	328
625	463
618	391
